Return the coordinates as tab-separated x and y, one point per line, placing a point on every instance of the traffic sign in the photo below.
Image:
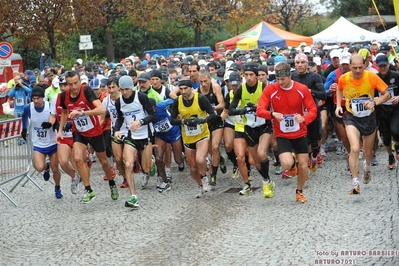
5	50
85	45
85	38
5	63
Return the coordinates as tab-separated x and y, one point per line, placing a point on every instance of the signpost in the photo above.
85	43
5	53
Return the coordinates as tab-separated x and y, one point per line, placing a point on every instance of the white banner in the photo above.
1	70
5	63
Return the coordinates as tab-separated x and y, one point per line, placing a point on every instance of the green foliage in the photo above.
31	57
354	8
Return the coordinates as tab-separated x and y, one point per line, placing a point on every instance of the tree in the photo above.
288	13
197	14
353	8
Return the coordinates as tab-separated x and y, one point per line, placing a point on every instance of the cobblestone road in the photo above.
221	228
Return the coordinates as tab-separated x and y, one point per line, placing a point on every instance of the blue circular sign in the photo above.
5	50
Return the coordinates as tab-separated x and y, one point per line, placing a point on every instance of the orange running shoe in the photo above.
300	197
293	171
124	184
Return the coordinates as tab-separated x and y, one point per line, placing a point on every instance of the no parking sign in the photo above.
5	50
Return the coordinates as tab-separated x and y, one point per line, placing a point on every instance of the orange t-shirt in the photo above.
360	90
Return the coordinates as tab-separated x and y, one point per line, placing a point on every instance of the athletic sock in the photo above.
232	156
265	169
215	170
111	182
88	188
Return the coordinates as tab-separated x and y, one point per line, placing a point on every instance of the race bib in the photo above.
391	92
41	133
83	123
192	130
19	101
289	124
253	120
163	126
358	108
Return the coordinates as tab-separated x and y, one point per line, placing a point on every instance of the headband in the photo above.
282	73
185	82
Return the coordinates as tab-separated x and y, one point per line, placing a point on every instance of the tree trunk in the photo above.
197	38
110	44
51	39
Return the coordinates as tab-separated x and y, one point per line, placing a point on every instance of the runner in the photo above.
192	108
43	137
134	115
80	104
290	122
358	88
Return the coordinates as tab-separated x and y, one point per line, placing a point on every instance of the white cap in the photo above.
80	61
202	62
317	60
84	79
227	75
229	63
345	58
303	44
335	53
307	49
56	82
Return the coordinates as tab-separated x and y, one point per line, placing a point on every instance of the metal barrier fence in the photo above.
15	157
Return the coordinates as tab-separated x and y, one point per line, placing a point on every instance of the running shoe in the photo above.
144	180
247	189
168	174
46	173
285	175
322	151
325	147
200	192
235	173
278	170
339	148
105	178
133	202
136	166
159	181
250	177
75	184
212	182
355	189
154	169
313	167
165	186
300	197
124	184
93	158
114	192
319	159
58	193
205	184
88	196
208	163
391	162
20	142
222	164
88	159
361	155
181	166
293	171
374	161
268	189
366	174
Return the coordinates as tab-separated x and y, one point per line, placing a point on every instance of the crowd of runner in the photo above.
278	102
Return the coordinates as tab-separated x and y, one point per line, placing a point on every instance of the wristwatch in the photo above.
83	112
141	121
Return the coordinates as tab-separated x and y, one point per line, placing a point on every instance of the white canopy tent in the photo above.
345	31
390	34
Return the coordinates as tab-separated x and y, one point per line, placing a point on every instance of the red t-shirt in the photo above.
288	102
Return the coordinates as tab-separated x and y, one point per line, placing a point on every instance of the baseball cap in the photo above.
227	75
220	74
270	62
37	91
279	59
95	83
143	77
303	44
103	82
384	47
235	67
235	78
62	79
202	62
32	79
345	58
84	79
307	49
126	82
317	60
364	52
334	53
55	82
95	68
381	60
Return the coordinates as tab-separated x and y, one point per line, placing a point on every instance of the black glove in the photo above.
247	109
23	133
199	120
56	126
251	107
46	125
189	122
67	126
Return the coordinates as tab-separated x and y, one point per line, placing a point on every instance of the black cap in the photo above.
235	67
95	68
37	91
156	73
